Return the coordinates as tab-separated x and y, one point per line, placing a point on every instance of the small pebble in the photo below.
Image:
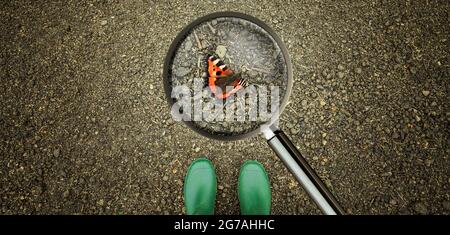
426	93
417	118
103	22
341	67
66	194
221	51
182	71
165	178
100	202
56	152
188	45
304	103
340	75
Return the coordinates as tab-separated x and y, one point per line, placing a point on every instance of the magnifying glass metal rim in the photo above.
183	34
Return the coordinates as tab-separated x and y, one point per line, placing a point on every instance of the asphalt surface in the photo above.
85	128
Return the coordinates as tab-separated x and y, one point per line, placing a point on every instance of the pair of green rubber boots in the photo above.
200	188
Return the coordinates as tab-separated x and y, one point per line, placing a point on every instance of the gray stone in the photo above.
426	93
221	51
56	152
182	71
188	45
100	202
304	103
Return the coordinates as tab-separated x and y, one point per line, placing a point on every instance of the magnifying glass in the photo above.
228	76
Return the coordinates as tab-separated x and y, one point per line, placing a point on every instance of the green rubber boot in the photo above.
254	189
200	188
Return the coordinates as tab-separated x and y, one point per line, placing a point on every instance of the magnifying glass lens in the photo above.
228	76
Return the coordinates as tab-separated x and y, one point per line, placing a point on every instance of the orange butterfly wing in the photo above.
218	71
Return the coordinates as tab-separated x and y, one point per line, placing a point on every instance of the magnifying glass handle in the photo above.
303	172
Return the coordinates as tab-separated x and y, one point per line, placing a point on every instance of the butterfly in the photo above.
221	77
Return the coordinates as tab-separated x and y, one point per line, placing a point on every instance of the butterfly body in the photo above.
222	81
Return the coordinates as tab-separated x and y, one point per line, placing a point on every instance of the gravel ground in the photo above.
85	128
